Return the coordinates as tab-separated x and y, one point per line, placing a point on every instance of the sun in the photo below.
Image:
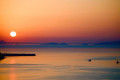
13	34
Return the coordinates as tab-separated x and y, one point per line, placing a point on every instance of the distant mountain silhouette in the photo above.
54	44
84	44
2	42
29	44
109	43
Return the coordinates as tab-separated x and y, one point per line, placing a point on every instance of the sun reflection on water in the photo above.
12	70
12	74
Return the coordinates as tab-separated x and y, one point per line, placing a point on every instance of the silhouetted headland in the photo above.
1	56
13	54
5	54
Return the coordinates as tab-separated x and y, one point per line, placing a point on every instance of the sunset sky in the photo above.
70	21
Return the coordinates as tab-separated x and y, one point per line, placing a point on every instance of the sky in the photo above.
69	21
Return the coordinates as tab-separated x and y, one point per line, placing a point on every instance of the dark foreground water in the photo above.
61	64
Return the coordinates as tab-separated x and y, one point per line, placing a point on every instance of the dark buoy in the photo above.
117	62
89	60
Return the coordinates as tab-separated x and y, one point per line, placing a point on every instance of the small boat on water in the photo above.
117	62
89	60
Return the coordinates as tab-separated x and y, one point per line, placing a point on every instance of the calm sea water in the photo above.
61	64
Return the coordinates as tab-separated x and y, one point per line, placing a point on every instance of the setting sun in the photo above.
13	34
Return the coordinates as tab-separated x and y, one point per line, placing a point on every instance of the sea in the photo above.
61	64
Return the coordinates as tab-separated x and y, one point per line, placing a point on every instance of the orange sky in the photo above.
60	20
